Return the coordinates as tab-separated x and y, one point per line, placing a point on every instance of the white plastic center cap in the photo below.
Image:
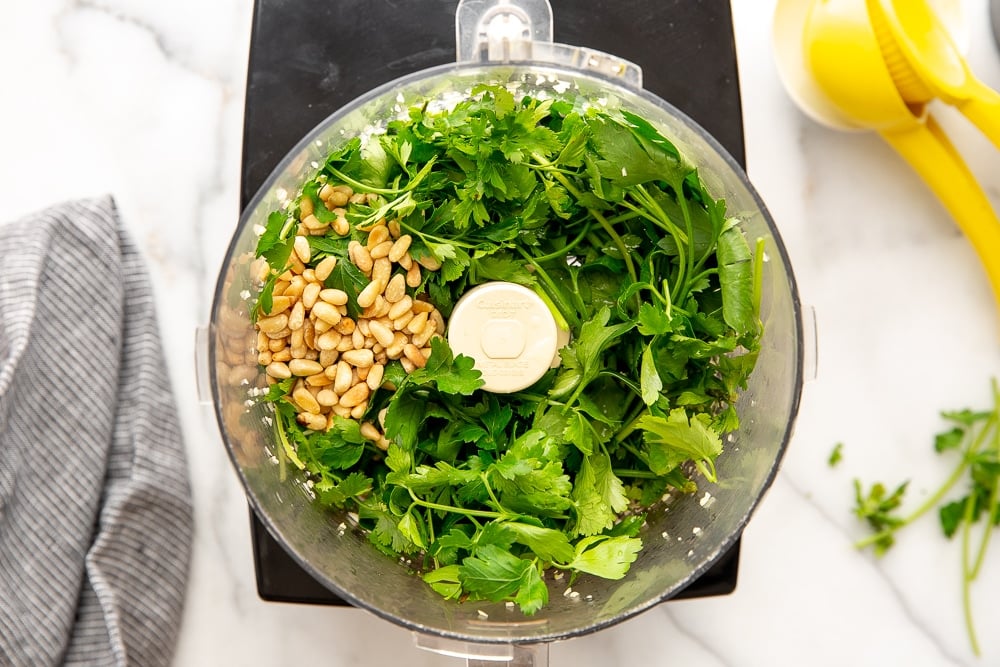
508	331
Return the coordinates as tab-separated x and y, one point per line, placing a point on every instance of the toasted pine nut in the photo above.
360	256
438	319
272	324
312	355
406	261
305	206
362	373
261	341
408	365
381	250
400	247
305	400
362	325
377	235
344	378
321	326
346	343
369	432
325	268
277	369
326	312
303	367
358	357
379	309
336	297
327	398
310	294
396	289
355	396
298	338
283	355
375	375
309	333
264	358
418	323
279	304
281	333
339	198
357	339
341	226
328	358
420	339
394	229
413	275
325	191
312	223
429	262
420	306
401	307
412	352
345	326
314	422
381	358
276	344
318	380
359	410
302	249
341	411
358	198
382	333
328	341
297	317
368	294
382	270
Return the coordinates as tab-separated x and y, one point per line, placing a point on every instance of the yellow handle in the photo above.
982	107
927	149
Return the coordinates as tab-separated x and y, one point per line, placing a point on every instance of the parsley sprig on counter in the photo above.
974	436
611	226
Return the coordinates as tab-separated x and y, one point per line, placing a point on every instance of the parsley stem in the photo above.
562	252
553	292
631	425
615	238
487	514
489	490
967	575
637	474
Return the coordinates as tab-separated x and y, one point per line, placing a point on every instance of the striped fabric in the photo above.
95	509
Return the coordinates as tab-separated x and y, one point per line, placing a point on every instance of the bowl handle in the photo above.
504	31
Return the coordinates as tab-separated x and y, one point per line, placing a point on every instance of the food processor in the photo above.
511	43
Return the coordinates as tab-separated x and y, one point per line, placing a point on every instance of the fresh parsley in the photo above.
600	215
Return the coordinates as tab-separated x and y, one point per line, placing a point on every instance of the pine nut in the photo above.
313	422
382	270
412	352
327	398
344	378
318	380
358	198
264	358
325	191
328	341
261	342
362	373
406	261
381	250
276	344
305	400
396	289
335	297
418	323
438	319
321	326
382	358
408	365
284	355
369	432
303	367
345	326
382	333
355	396
295	286
368	294
339	197
420	306
325	268
312	223
309	334
360	256
377	235
401	307
298	316
346	343
326	312
305	207
310	294
282	333
302	249
429	262
312	355
341	227
357	339
341	411
358	411
279	370
328	358
413	275
272	324
362	325
279	304
375	375
400	247
358	357
380	308
394	229
420	339
297	339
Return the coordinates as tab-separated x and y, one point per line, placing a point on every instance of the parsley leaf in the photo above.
607	557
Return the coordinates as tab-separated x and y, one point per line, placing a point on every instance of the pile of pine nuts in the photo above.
339	362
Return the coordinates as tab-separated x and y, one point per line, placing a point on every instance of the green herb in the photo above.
975	437
613	228
836	455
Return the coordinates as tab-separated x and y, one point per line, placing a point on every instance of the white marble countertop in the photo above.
144	100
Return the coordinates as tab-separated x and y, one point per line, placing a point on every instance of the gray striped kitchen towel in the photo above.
95	504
